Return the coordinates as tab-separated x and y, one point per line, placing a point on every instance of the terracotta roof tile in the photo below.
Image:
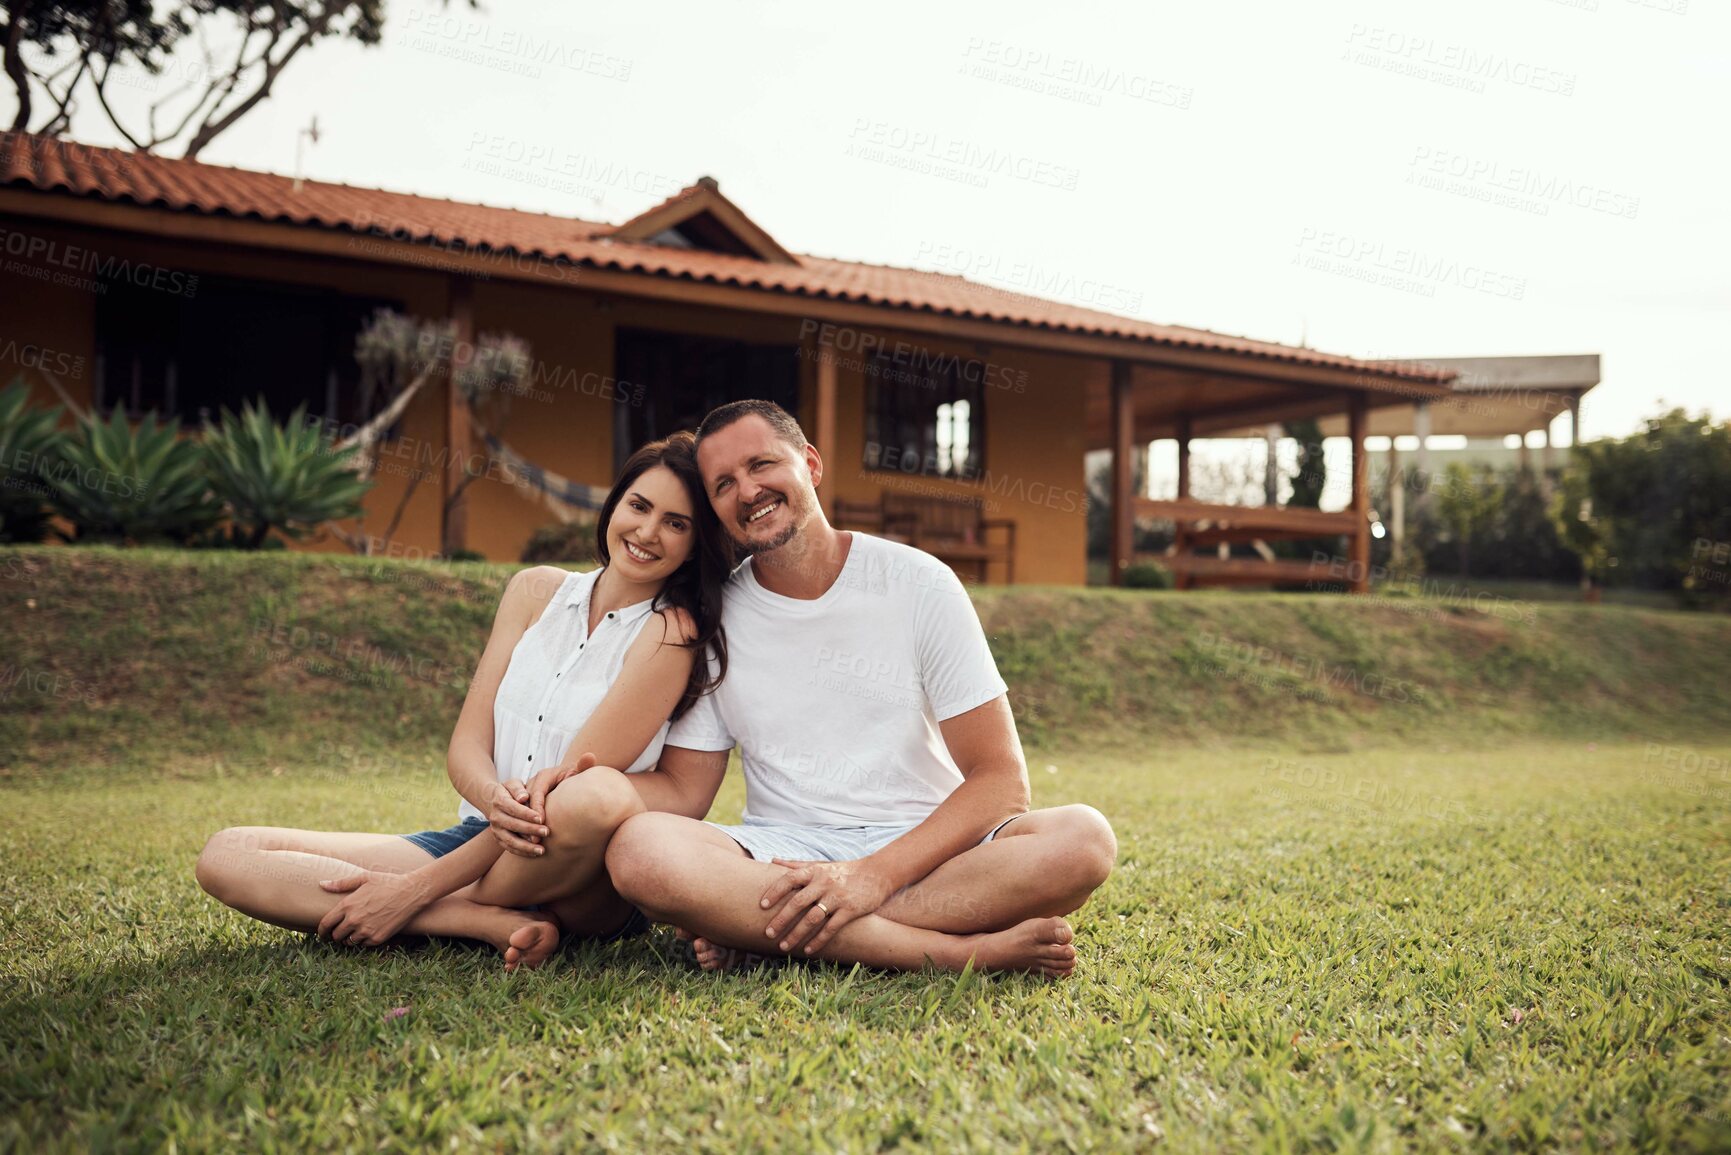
192	186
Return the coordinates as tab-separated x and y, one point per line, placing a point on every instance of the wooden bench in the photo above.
1198	524
952	529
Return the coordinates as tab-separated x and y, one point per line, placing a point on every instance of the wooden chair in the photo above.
955	530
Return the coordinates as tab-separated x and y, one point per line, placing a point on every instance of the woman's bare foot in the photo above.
529	945
1039	946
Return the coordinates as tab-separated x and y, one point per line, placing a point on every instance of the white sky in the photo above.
1213	153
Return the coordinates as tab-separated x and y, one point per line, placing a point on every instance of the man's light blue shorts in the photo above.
767	840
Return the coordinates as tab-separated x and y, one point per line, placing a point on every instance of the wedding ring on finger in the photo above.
823	908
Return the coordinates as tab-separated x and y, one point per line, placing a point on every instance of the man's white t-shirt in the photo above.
834	702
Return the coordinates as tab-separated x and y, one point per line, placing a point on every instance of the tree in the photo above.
1311	476
398	355
62	51
1494	523
1581	533
1466	502
1100	506
68	37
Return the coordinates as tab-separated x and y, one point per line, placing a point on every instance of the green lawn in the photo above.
1514	949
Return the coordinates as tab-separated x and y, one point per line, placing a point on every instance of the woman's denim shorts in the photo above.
439	843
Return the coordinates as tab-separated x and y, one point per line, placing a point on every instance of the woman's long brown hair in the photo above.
696	585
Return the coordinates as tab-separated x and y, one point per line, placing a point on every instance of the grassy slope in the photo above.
186	662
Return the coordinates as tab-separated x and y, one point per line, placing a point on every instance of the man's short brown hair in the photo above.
779	420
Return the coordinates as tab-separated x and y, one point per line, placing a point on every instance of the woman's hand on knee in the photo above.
516	824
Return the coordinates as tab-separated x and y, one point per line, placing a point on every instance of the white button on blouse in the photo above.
558	675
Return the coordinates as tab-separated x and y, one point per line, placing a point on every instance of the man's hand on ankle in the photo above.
814	900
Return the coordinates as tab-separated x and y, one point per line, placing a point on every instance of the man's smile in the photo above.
763	510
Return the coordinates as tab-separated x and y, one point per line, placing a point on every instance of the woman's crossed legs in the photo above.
273	873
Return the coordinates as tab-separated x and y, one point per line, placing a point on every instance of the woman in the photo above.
582	673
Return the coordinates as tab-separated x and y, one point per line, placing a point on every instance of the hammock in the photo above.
564	497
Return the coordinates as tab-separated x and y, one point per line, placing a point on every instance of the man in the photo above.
887	817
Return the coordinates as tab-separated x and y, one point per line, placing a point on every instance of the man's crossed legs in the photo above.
1000	904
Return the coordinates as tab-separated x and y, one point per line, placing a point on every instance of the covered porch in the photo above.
1143	403
1493	398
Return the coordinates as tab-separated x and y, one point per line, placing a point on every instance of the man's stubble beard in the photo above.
796	522
753	548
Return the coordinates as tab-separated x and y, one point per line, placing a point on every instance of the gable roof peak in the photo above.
700	217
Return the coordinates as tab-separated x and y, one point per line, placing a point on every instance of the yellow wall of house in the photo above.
564	421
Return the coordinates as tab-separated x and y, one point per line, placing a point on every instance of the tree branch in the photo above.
364	438
101	83
15	63
209	131
62	118
391	529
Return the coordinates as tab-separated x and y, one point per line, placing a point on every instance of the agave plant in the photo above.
284	477
125	484
30	452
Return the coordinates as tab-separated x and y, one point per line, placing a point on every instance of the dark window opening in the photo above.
235	341
668	381
925	418
703	231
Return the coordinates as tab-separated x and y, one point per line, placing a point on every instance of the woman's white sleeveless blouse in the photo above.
558	674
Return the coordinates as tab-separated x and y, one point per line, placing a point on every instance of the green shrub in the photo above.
125	484
571	542
1653	510
1146	575
283	477
31	446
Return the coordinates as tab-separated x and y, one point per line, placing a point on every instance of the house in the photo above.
951	412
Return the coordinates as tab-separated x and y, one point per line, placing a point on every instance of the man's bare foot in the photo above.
1038	946
529	945
712	957
715	958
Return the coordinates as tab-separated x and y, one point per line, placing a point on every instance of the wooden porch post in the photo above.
824	434
1123	406
1396	500
1358	417
1180	539
1183	458
1271	465
454	524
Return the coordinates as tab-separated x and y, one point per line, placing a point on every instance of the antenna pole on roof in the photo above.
309	133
